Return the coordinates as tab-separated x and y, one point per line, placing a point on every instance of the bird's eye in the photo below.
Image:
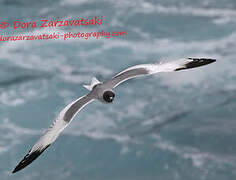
108	96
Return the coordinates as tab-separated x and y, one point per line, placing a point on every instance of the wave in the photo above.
156	127
21	79
23	93
147	7
11	135
200	159
219	15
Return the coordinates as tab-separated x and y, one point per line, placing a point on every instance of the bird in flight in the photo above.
104	92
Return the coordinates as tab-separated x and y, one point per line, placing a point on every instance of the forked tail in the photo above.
94	82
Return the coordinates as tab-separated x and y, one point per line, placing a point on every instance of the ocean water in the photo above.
170	126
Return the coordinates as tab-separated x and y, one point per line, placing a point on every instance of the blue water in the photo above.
169	126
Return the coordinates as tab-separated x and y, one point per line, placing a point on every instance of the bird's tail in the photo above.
94	82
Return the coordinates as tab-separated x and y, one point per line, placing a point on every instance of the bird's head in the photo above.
108	96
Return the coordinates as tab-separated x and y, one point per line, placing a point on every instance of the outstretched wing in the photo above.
61	122
148	69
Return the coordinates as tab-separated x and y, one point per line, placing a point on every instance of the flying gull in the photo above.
104	92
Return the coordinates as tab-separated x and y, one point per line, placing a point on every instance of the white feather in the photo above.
94	82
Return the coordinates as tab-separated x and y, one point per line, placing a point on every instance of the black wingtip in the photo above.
196	62
28	159
202	61
15	170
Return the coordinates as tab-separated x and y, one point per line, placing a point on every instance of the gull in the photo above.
104	92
